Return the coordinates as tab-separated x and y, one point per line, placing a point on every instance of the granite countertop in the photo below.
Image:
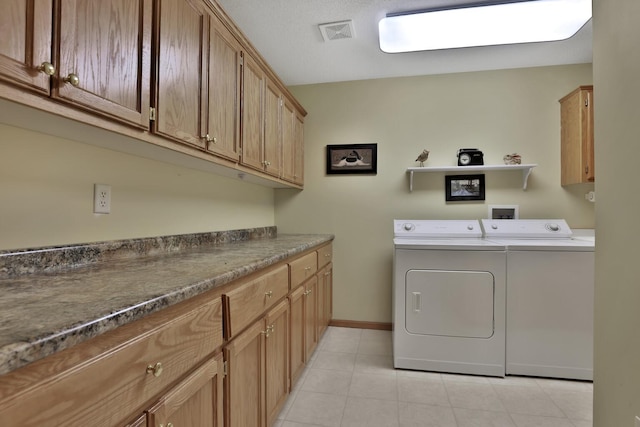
45	309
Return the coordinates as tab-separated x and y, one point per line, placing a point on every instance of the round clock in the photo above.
464	159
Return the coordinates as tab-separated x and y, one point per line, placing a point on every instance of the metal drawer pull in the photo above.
73	80
47	68
268	331
156	370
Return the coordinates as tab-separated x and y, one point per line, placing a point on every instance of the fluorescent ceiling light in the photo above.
506	23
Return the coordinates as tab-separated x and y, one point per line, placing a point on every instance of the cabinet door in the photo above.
277	360
272	130
297	353
298	166
26	33
288	141
245	380
310	316
182	35
325	290
141	421
224	92
195	401
576	124
103	57
252	113
292	144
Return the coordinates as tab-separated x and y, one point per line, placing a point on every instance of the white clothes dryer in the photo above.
550	293
448	298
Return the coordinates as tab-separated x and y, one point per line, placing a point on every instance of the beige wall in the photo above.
46	194
616	67
498	111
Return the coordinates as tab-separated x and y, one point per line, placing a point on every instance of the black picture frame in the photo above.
460	188
352	159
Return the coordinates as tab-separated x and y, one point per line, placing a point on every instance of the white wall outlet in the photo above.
591	196
101	198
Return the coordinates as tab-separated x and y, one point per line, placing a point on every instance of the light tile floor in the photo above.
350	381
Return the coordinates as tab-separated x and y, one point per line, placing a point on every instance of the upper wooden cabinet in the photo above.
103	57
198	78
272	128
27	25
98	56
179	70
182	28
253	83
223	125
292	144
576	127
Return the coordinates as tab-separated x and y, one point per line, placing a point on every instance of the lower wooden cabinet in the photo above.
175	367
310	316
257	384
277	360
297	346
325	298
196	401
105	381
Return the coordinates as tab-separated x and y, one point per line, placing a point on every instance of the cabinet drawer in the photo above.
325	255
303	268
107	389
247	302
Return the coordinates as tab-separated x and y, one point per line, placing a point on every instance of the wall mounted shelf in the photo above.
526	171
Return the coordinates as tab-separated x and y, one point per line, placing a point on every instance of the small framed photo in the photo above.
464	187
353	158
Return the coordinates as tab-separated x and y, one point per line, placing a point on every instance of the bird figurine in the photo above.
423	157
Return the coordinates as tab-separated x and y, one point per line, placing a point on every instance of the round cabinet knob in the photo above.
210	139
47	68
73	80
156	369
269	294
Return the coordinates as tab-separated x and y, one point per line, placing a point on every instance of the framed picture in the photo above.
464	187
353	158
503	212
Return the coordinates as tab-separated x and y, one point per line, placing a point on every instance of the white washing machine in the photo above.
550	291
448	298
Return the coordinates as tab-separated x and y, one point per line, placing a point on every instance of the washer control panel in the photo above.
436	228
527	228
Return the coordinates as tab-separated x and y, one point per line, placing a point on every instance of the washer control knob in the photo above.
494	226
470	227
408	226
553	227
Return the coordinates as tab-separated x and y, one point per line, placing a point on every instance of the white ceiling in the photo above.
286	33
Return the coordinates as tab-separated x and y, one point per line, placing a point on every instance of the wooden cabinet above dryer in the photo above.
576	140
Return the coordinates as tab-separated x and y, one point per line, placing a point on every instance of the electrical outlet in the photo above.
101	198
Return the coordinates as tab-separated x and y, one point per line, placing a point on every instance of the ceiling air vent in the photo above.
337	30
